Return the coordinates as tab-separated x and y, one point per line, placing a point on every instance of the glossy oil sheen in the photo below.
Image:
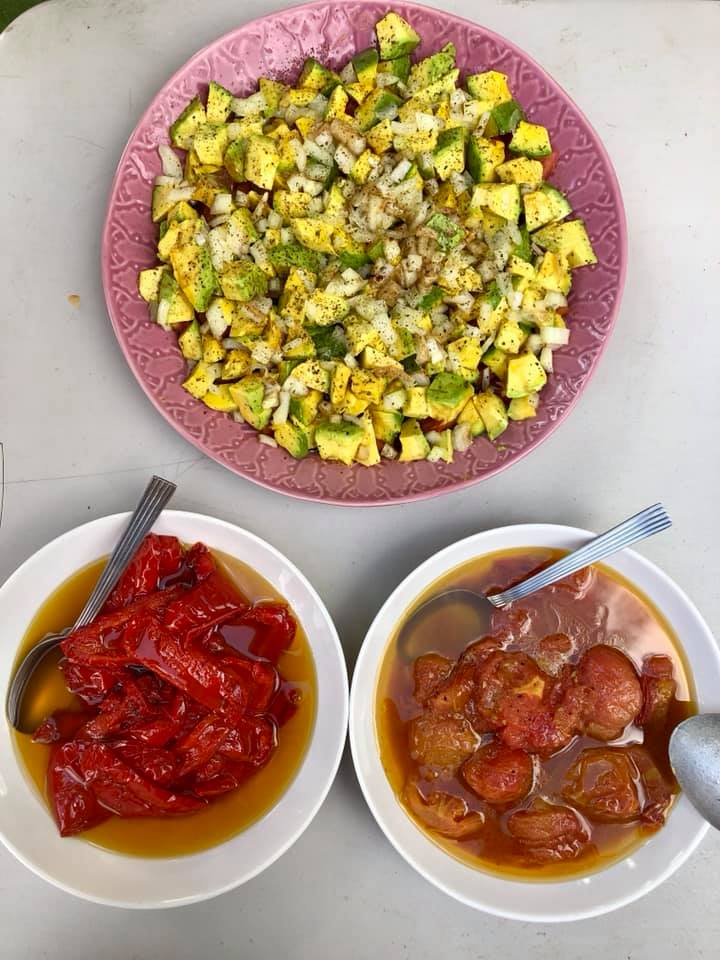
225	816
633	623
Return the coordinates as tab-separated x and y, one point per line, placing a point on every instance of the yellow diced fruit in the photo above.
278	132
336	104
218	398
471	415
314	233
274	335
182	231
209	143
200	380
490	85
273	91
359	91
510	337
237	364
336	205
261	161
521	268
212	349
312	375
295	293
148	283
360	334
376	359
367	386
299	348
380	137
521	170
465	354
290	205
323	308
190	342
354	405
339	380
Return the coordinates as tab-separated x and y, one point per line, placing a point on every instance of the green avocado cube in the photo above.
219	103
248	395
338	441
447	395
292	438
530	140
395	36
432	68
380	105
183	129
524	375
449	153
243	280
448	232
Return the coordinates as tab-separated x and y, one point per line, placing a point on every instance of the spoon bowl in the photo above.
695	757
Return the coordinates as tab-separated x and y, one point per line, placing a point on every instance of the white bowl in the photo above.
548	901
28	830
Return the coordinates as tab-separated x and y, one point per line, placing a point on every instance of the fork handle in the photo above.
645	524
152	502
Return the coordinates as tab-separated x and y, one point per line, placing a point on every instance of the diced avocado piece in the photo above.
324	308
272	91
504	118
449	154
367	385
427	71
416	404
248	395
285	368
313	376
314	233
531	140
395	36
404	345
243	280
173	305
490	85
149	283
431	299
552	275
237	363
337	104
380	137
292	438
465	352
493	413
338	441
353	259
521	170
449	233
386	424
447	395
568	239
234	160
368	453
443	450
365	65
212	350
399	67
182	211
380	105
178	232
287	255
190	342
413	445
261	161
510	337
201	379
523	249
195	273
544	205
219	398
210	142
219	102
470	415
330	342
291	205
484	157
314	76
183	129
496	360
164	198
339	380
524	375
300	348
523	408
303	410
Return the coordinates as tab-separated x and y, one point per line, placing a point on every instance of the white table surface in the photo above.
80	440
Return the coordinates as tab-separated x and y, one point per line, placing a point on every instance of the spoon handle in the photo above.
156	495
649	521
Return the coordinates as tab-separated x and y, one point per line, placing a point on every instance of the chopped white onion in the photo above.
461	437
267	440
555	336
171	165
546	359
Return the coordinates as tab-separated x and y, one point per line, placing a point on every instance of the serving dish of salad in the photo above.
364	259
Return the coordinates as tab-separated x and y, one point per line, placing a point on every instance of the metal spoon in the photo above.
152	502
638	527
695	758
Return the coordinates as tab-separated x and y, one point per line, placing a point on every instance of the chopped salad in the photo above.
369	264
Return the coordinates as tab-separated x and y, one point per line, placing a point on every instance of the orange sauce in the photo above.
612	611
225	816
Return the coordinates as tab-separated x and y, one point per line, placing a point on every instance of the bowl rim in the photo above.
366	676
330	760
307	494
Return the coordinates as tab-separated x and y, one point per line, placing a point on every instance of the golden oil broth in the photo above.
225	816
630	615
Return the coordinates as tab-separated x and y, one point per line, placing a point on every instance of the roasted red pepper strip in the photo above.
75	807
89	681
209	603
61	725
202	743
122	790
275	629
251	740
154	763
156	558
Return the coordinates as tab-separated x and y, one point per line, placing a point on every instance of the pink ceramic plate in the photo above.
275	46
